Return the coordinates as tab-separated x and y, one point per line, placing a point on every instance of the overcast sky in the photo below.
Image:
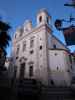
17	11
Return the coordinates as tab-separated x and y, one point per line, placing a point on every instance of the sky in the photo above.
17	11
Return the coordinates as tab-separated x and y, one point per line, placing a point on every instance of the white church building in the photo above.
38	54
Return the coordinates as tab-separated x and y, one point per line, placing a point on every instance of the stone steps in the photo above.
27	87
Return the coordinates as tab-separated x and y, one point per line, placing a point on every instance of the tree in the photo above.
4	41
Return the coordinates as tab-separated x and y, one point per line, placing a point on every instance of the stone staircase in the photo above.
57	93
30	89
27	88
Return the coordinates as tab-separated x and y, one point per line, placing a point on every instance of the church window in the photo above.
31	70
18	47
22	70
57	68
70	59
31	52
17	57
15	35
24	46
47	19
40	18
54	46
41	47
15	70
52	83
21	32
31	42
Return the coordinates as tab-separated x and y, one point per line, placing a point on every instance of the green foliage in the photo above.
4	36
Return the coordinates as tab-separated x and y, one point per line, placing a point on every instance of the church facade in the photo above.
38	54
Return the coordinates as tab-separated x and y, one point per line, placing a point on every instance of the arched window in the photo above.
22	70
40	18
21	31
24	46
31	52
31	42
54	46
40	47
31	66
47	19
18	48
52	82
31	70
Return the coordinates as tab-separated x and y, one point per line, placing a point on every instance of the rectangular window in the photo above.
22	70
70	59
41	47
54	46
24	46
15	36
31	42
21	32
17	51
31	52
31	71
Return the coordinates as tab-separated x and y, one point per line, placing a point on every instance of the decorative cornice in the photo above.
34	30
59	49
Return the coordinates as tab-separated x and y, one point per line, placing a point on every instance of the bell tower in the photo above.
43	17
